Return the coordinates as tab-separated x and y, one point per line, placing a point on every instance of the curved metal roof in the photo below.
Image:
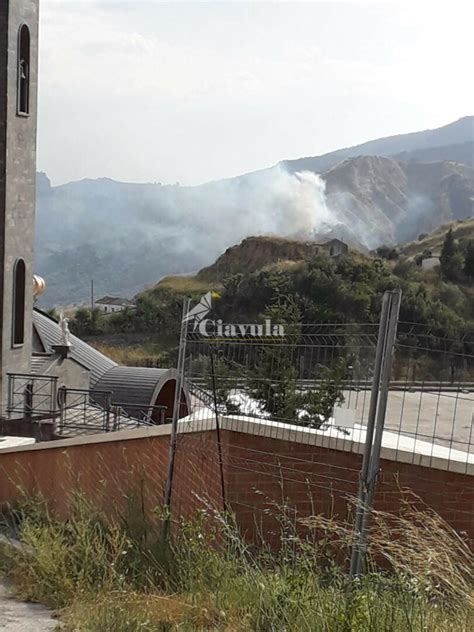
49	333
136	386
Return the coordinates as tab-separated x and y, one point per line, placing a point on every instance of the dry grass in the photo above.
134	355
462	229
185	285
105	578
416	545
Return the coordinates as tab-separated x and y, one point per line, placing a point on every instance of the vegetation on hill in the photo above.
329	290
463	230
256	253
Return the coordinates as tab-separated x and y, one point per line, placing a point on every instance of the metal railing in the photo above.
127	415
32	396
35	398
79	412
85	411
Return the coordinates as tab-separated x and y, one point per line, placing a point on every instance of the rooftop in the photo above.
114	300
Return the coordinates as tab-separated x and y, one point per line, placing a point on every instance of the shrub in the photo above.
212	580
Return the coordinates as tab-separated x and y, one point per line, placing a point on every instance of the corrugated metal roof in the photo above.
49	333
134	385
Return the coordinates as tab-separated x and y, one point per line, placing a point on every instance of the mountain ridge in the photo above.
457	132
126	235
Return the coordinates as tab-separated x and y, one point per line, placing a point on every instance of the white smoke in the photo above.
270	202
149	231
291	204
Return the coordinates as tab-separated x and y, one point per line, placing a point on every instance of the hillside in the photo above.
263	273
461	153
462	230
389	201
256	253
125	235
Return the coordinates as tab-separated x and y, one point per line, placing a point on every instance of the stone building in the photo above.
47	376
18	97
334	247
113	304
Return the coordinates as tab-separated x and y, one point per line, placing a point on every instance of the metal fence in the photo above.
73	411
83	412
390	386
321	376
388	390
31	396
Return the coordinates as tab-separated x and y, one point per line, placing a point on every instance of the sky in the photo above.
194	91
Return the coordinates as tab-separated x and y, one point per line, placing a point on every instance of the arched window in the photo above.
19	302
23	88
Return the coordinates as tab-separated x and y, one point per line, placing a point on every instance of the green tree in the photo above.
451	259
53	313
387	252
469	260
316	406
224	380
273	380
452	296
86	322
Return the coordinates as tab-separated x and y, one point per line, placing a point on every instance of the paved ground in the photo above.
16	616
442	417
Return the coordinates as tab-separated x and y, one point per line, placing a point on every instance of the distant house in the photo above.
334	247
428	259
428	263
111	304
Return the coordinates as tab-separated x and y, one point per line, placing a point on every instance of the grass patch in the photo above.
185	285
139	354
104	577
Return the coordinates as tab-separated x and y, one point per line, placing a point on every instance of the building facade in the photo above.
334	247
18	106
112	304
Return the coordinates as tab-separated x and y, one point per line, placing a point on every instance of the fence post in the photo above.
218	431
165	520
62	407
375	424
108	405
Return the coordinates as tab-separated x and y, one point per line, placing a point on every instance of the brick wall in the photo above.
114	474
263	473
260	474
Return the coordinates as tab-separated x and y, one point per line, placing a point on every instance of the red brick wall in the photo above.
115	474
260	474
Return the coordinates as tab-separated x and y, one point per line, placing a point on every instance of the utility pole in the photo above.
92	295
375	424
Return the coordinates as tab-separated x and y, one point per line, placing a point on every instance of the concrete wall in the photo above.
335	247
113	470
429	263
17	179
69	372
